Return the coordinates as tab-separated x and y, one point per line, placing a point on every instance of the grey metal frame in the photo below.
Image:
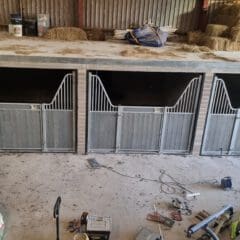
141	129
222	124
41	127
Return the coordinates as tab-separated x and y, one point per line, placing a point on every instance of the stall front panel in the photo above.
40	127
132	129
222	131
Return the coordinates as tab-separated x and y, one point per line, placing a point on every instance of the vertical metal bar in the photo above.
216	97
162	136
195	107
71	92
90	109
73	77
44	129
235	136
119	128
210	112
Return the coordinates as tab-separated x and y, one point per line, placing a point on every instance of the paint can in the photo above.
43	24
30	27
226	183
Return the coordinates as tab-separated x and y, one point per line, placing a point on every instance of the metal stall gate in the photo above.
40	127
222	129
141	129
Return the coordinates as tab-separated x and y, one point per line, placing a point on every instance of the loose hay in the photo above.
216	30
66	34
194	37
235	33
194	48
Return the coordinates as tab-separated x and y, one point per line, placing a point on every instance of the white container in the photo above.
43	24
16	30
10	28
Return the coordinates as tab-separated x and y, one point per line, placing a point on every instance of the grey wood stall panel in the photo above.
40	127
222	130
141	129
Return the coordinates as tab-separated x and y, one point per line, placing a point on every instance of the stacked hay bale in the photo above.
66	34
223	34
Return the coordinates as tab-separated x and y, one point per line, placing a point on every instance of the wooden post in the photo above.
80	13
203	18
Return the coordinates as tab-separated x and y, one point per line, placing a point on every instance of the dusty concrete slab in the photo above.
112	50
30	184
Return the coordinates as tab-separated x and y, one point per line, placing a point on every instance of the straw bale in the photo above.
227	14
221	44
66	33
215	30
235	33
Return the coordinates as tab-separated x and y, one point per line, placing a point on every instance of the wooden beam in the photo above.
80	13
203	17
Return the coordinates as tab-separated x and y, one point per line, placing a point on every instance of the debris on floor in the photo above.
221	219
92	163
146	234
157	217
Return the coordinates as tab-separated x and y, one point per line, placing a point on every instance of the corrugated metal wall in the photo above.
62	12
109	14
120	14
112	14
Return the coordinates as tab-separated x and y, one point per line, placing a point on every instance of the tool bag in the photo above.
147	36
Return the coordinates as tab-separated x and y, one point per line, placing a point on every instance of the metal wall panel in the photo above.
219	134
140	131
102	131
120	14
177	133
59	130
20	129
62	12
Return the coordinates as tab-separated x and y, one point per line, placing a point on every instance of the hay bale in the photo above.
194	37
227	14
235	33
216	30
220	44
66	33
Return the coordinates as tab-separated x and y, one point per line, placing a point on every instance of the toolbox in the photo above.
98	228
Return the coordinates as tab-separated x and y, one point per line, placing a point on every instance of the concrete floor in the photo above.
30	184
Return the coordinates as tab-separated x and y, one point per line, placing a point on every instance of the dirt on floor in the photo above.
147	52
125	187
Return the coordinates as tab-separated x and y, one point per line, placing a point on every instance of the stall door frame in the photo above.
222	128
137	129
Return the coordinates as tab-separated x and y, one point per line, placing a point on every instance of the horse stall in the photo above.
222	130
37	110
142	112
